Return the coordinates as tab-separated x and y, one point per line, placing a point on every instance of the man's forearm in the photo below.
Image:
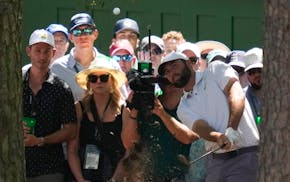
205	131
236	99
66	133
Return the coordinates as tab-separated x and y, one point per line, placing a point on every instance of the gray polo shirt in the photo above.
67	67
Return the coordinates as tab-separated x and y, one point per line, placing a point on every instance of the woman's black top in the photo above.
107	137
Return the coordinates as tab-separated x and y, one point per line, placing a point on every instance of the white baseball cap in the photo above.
254	58
171	57
237	58
41	35
214	53
188	46
154	40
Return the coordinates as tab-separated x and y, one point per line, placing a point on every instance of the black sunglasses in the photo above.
203	56
85	31
94	78
193	59
156	51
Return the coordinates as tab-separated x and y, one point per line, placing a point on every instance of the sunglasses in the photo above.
156	51
203	56
193	59
94	78
85	31
254	71
126	57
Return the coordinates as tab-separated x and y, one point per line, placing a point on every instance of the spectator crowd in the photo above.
145	112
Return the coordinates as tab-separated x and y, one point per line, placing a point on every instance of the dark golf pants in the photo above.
233	166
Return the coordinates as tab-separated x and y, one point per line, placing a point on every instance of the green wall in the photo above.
236	23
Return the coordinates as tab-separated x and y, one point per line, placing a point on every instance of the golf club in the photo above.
185	161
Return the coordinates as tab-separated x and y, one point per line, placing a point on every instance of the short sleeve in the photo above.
222	73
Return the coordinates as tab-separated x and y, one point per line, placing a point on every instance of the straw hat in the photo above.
100	65
211	44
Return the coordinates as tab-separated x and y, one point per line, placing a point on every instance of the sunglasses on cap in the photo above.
94	78
85	31
254	71
193	59
126	57
203	56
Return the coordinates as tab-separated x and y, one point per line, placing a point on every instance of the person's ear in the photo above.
133	60
53	52
70	37
96	33
28	50
137	44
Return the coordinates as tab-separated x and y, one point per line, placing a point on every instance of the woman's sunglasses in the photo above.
94	78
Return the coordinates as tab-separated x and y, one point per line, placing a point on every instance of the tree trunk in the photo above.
12	165
275	130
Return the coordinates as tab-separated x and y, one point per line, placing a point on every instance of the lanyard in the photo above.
98	120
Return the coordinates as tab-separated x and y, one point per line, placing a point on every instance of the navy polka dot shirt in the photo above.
52	106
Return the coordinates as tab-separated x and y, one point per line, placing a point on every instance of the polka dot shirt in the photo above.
52	106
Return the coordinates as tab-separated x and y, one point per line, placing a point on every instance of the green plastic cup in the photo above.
30	122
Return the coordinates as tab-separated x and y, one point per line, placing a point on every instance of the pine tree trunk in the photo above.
12	165
275	129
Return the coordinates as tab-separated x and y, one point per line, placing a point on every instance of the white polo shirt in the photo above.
208	102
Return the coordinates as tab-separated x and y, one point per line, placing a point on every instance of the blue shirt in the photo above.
254	101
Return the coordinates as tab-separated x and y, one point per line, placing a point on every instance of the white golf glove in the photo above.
233	136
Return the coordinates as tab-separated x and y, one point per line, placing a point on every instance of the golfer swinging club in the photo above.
214	106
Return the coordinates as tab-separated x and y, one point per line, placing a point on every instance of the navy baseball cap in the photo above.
81	19
52	28
126	24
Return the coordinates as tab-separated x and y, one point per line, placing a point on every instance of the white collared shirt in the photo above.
209	103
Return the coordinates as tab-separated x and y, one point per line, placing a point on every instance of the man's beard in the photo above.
183	80
256	86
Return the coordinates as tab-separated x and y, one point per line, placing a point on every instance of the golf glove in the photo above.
233	136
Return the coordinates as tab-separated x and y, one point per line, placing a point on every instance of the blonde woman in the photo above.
105	129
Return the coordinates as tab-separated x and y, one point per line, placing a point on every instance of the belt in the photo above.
235	153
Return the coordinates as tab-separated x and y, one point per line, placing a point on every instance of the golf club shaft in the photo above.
206	154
